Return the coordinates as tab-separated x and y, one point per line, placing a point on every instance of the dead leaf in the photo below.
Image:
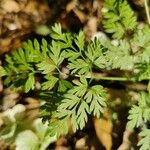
138	2
18	18
8	43
31	7
32	107
126	144
62	148
82	17
10	99
10	6
71	5
103	128
61	141
91	27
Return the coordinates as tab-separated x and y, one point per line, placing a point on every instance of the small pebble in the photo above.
80	144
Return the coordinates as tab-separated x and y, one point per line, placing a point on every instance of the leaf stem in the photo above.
113	78
101	77
147	10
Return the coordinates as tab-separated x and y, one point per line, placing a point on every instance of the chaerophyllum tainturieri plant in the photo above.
71	71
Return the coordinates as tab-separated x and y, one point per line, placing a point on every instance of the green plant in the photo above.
71	70
27	134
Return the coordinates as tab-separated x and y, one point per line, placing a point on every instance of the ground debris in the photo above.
18	19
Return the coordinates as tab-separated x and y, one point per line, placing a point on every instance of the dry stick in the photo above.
126	144
32	107
147	10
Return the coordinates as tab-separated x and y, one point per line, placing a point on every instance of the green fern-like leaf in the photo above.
141	41
119	56
80	101
95	54
79	66
30	83
116	18
141	113
64	39
96	97
58	127
68	68
135	117
80	40
144	143
2	71
50	83
144	72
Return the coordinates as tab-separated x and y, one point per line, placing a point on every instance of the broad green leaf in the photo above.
27	140
42	131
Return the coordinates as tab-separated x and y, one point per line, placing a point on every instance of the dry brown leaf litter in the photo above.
18	19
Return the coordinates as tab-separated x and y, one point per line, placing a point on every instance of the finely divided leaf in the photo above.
116	19
30	83
144	143
135	117
50	83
